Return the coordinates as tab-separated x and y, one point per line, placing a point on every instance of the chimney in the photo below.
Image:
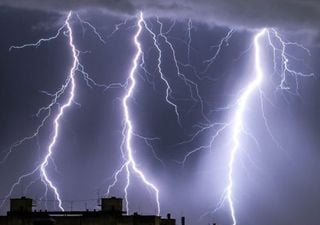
111	204
183	220
168	216
22	204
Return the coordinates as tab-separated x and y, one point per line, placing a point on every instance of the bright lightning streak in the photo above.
69	88
280	51
70	83
238	119
42	167
128	133
66	105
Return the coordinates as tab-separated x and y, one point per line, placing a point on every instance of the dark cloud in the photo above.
234	13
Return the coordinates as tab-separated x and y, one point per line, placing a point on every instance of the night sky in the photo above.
276	178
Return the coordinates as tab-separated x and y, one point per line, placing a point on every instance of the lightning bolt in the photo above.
70	83
237	122
238	119
128	133
68	88
126	147
253	86
72	86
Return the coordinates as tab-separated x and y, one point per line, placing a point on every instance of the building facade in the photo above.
110	214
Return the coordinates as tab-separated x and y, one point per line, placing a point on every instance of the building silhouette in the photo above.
111	213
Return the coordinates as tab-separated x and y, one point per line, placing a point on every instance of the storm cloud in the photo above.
289	14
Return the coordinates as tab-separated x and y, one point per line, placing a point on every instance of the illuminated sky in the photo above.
273	185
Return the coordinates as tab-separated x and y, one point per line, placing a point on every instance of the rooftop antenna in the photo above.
98	200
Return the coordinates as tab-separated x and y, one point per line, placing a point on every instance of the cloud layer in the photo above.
292	14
